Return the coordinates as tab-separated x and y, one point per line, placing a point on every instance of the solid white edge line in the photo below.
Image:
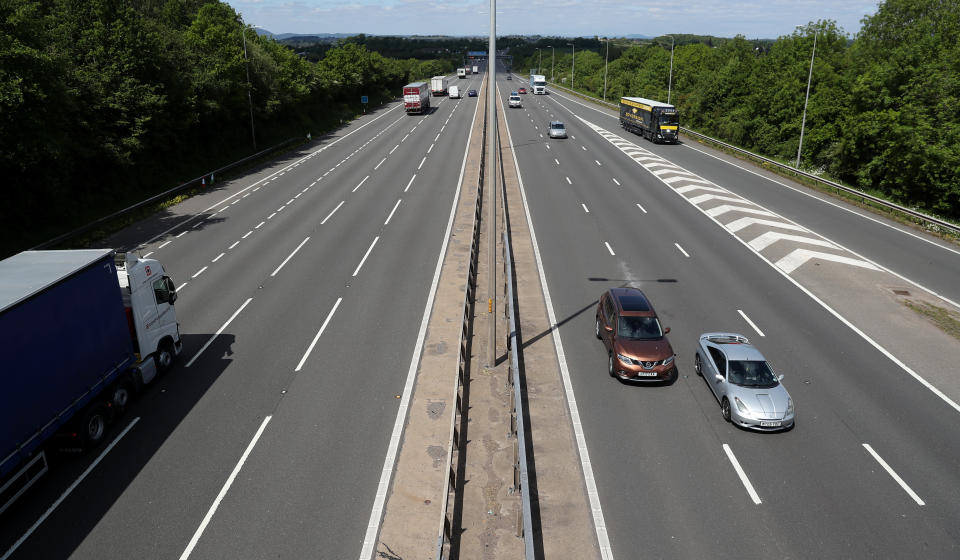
751	323
323	327
220	330
315	152
395	206
68	491
223	491
603	540
743	476
677	245
365	255
373	524
893	474
953	404
290	256
332	211
609	248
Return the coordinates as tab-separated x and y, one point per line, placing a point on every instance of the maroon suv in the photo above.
637	348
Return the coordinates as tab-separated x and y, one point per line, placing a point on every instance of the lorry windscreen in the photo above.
671	118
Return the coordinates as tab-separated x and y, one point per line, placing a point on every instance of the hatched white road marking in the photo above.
764	240
797	257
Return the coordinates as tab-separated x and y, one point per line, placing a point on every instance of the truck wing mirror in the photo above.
171	290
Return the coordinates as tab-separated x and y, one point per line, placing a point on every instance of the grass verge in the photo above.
944	319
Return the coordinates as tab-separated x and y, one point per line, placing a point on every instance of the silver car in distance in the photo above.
750	393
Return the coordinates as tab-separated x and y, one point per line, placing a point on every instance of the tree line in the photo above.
884	107
106	102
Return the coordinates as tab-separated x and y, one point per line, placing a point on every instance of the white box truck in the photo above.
538	84
438	85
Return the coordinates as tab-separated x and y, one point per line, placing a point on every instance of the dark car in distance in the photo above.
636	344
472	93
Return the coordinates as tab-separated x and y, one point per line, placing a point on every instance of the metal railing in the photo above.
158	197
517	427
453	446
826	182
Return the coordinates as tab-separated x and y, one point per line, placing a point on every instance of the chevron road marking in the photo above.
724	208
697	200
687	188
741	223
767	239
797	257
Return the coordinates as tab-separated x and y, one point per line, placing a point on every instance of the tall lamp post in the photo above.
492	186
246	61
670	80
551	61
540	63
606	60
573	64
803	121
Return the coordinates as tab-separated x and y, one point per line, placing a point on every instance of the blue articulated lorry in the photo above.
81	332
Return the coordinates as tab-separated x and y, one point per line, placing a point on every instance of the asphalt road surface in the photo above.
674	480
300	295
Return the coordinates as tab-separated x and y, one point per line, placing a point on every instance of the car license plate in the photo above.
646	374
771	424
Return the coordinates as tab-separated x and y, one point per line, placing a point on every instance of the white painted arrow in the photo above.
737	225
797	257
761	242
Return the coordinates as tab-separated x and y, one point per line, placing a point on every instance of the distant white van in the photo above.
454	92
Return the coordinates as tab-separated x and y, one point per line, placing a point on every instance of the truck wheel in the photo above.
120	398
94	425
165	356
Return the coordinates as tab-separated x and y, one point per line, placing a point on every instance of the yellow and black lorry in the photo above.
658	122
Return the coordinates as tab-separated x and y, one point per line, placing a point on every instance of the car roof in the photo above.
632	302
556	122
735	346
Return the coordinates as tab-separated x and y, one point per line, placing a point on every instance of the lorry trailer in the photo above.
416	98
82	332
438	85
461	73
658	122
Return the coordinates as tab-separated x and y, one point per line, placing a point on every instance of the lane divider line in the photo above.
223	491
894	475
395	206
743	476
290	256
219	331
749	322
323	327
365	255
332	211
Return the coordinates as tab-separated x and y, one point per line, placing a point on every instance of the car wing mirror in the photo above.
608	328
718	377
666	330
780	377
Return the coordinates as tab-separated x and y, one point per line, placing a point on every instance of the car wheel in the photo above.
596	328
725	409
610	366
698	365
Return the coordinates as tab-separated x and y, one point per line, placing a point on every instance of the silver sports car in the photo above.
750	393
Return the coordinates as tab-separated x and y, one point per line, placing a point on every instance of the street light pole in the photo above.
551	61
605	62
253	133
670	81
573	64
803	121
492	189
540	63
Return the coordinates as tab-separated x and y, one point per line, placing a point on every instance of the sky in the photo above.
755	19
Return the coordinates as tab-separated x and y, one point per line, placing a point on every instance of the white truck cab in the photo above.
148	296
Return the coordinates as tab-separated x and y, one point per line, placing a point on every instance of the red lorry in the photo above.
416	97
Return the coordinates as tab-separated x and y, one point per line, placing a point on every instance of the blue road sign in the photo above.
364	99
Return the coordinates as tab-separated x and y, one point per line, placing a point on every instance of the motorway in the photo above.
300	288
872	469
